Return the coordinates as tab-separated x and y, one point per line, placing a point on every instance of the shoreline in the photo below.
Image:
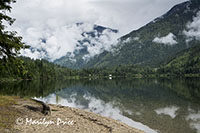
29	118
134	76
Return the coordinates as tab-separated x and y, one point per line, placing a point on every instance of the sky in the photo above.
55	21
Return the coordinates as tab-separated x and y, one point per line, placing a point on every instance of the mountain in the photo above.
95	40
185	62
156	42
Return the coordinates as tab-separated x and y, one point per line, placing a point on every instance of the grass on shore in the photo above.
8	114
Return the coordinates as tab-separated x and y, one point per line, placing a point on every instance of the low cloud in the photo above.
52	43
104	42
193	28
55	43
48	26
168	40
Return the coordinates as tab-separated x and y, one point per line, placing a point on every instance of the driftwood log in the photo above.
45	108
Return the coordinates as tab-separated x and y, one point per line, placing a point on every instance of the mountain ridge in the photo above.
139	47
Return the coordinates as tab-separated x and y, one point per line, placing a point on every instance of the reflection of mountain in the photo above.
94	40
160	104
163	104
145	89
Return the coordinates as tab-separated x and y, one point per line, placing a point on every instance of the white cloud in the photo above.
53	20
58	41
168	40
193	28
64	39
104	42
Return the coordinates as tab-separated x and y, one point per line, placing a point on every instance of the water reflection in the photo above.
170	111
97	106
194	119
162	104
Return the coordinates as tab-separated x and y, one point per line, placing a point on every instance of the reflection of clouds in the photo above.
196	125
194	119
97	106
138	113
170	111
129	112
53	99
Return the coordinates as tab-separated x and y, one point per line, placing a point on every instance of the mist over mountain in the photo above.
69	41
93	42
158	41
87	45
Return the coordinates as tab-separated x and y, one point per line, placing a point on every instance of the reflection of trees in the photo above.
137	89
188	88
142	96
35	88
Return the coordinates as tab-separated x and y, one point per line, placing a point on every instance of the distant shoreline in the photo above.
137	76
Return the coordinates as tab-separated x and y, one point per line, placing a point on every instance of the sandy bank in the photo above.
62	119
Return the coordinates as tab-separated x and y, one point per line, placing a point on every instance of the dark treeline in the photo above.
118	71
138	71
26	68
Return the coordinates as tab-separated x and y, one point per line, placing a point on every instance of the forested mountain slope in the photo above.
156	42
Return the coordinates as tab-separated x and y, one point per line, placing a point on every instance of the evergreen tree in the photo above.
10	43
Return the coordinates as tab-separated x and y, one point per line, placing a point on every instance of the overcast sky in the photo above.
45	18
125	15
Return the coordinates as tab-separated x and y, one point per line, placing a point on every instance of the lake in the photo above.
152	105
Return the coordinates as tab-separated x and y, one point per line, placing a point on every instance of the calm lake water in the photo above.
152	105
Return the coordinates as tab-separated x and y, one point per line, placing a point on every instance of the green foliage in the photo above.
30	69
186	62
10	43
118	71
